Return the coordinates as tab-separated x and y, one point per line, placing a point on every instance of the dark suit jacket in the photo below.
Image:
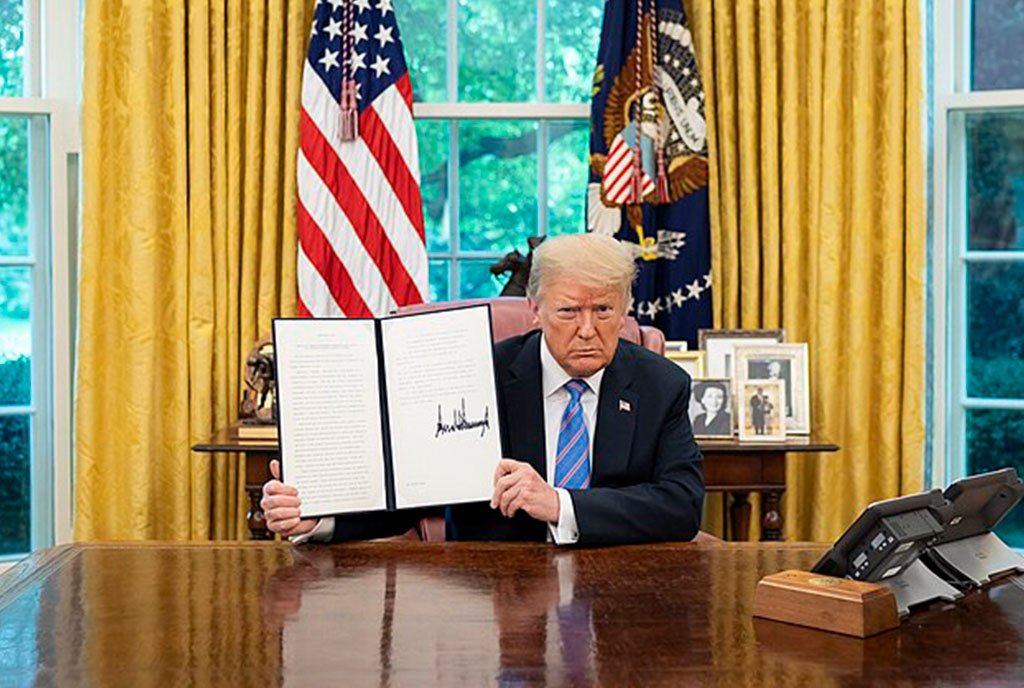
646	479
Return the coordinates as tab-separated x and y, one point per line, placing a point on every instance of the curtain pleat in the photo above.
818	226
190	131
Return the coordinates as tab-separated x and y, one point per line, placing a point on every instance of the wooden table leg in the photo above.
739	520
254	517
771	516
257	472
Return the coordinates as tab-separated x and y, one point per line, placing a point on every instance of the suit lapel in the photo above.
524	401
616	419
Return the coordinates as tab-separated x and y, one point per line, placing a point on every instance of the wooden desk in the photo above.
731	467
418	614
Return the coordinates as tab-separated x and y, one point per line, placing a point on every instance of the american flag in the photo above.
359	213
618	175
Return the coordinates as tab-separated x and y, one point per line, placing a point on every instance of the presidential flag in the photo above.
648	161
359	214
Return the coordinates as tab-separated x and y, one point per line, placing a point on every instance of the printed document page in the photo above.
442	406
329	409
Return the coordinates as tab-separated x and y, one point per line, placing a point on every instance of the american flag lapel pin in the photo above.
625	406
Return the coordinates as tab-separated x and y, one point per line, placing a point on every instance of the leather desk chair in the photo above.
510	315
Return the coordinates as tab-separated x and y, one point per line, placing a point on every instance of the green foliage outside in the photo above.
995	439
13	136
11	47
997	27
15	446
995	307
995	369
498	166
15	283
15	293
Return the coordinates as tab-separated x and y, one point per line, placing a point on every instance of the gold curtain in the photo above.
818	225
190	130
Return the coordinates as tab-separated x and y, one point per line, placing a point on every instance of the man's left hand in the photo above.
518	486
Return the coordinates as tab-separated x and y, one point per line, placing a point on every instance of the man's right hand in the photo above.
280	505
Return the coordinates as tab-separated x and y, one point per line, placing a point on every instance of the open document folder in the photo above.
388	413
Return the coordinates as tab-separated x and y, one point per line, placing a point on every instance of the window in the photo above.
22	281
502	91
978	253
36	143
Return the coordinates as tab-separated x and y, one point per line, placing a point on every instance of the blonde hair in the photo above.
593	260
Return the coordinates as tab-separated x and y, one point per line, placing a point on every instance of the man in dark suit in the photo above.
757	411
598	427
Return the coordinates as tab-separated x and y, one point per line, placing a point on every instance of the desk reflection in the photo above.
510	617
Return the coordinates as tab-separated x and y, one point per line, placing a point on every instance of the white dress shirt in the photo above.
556	398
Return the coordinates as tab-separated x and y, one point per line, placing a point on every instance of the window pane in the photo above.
424	30
497	50
15	336
12	47
433	146
438	280
567	176
997	27
15	486
571	36
14	179
995	439
497	185
476	280
995	178
995	337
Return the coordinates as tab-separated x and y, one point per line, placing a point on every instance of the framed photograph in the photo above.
690	361
711	408
786	362
761	405
717	346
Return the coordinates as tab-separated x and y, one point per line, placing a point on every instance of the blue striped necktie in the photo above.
572	465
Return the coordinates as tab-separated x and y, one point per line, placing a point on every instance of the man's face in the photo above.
581	325
713	399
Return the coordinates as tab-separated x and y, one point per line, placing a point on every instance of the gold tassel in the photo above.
662	177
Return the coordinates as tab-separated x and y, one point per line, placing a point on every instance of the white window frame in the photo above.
950	253
453	111
52	92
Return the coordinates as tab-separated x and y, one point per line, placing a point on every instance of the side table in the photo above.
731	467
258	454
738	468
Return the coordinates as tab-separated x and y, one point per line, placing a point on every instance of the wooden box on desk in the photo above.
827	603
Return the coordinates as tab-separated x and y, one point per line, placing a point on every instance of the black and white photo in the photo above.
784	362
711	408
773	369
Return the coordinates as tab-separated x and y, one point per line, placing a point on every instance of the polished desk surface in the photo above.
417	614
